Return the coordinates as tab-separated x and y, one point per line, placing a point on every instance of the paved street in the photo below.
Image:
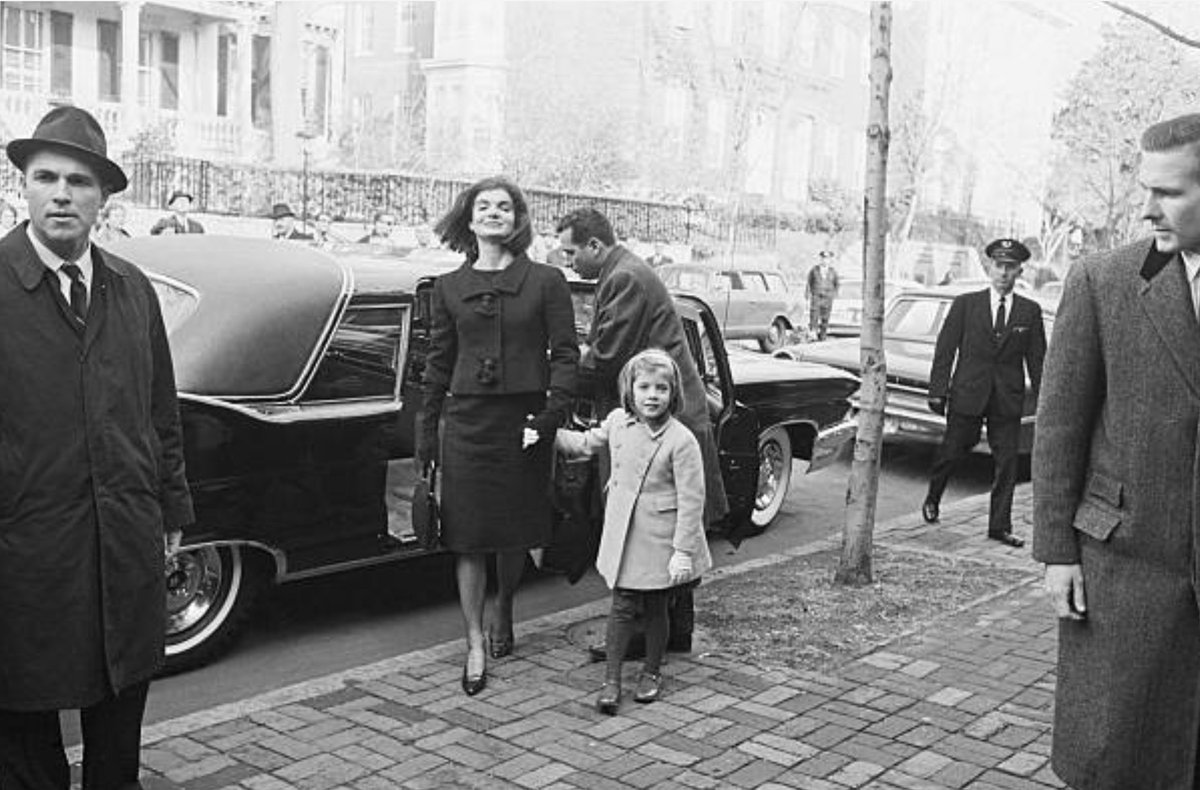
966	703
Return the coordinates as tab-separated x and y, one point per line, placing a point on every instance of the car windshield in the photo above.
915	318
177	302
690	281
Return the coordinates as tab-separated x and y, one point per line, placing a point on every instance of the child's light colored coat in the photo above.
654	503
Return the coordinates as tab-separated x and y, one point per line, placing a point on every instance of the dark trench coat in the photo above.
91	474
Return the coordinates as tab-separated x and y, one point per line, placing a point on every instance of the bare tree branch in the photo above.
1166	30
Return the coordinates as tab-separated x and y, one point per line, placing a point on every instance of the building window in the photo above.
145	70
314	88
168	72
22	61
226	57
260	83
108	66
406	21
760	154
715	130
60	53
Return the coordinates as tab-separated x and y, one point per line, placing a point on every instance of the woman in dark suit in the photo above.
503	346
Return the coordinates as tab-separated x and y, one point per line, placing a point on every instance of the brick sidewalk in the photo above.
966	703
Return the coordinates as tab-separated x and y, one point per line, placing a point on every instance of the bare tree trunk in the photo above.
854	567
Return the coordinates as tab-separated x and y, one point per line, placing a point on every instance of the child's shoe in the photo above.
649	687
609	698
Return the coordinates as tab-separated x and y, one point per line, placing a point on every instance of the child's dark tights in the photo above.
629	606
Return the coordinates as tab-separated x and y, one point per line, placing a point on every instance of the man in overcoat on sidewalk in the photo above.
92	487
987	343
633	312
1116	491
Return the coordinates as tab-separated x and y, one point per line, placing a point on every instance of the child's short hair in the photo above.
650	359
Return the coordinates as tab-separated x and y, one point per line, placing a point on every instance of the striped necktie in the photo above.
79	294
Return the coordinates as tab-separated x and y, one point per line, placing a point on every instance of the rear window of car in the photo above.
915	318
363	357
776	283
177	302
754	281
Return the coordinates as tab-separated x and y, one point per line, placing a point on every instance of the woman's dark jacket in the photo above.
490	336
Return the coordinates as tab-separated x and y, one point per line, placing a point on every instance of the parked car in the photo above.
750	303
297	374
845	318
910	329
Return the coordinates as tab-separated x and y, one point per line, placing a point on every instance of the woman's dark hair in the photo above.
455	228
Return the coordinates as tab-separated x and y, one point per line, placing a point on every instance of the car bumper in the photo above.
830	441
909	426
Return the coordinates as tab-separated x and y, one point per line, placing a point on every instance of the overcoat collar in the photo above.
18	252
507	281
614	255
1166	299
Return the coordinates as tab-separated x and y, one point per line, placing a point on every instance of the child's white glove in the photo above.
679	568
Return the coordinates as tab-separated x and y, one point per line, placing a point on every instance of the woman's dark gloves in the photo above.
545	423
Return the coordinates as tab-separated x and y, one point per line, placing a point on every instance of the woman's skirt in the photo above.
495	496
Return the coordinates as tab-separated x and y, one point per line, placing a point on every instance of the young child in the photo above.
653	516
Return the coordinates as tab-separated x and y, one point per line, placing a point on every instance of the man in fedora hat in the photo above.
283	226
180	205
989	339
92	486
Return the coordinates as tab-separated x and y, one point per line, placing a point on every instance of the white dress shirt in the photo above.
994	295
55	263
1191	265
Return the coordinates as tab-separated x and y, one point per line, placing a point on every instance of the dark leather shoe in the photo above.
500	646
930	512
473	686
609	698
1007	538
649	687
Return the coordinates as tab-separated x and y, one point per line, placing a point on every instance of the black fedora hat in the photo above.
282	210
180	193
75	132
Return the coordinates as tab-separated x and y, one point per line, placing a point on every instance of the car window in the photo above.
670	278
776	283
691	281
754	281
723	281
362	360
584	303
176	302
915	318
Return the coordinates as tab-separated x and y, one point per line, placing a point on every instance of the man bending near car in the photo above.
633	312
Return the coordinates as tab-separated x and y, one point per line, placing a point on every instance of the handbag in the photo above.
426	516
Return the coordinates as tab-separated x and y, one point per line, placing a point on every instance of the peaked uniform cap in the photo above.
180	193
1007	251
75	132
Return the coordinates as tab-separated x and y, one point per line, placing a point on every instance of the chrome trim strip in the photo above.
829	441
366	562
288	413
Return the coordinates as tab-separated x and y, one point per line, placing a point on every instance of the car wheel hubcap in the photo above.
194	582
770	473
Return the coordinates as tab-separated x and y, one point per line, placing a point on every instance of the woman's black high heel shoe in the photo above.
473	685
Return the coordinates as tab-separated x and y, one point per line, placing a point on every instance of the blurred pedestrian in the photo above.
8	217
633	312
111	226
659	258
91	472
283	224
383	224
503	345
654	535
324	235
821	288
990	338
178	221
1115	490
